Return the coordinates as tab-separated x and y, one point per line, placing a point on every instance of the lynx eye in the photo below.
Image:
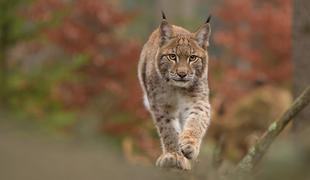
192	58
172	57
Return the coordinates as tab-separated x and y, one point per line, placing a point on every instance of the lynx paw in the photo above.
189	148
173	160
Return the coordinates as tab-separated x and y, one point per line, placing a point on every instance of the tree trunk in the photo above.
301	57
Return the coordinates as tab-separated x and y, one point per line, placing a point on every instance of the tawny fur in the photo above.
173	73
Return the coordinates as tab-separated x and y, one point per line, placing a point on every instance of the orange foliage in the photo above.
91	27
256	38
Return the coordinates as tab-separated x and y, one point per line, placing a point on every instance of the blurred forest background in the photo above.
68	69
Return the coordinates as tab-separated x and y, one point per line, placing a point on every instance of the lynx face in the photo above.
182	57
181	62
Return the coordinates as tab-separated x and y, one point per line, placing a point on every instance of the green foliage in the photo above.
33	94
10	18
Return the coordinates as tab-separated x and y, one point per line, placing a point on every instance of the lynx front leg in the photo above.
195	126
168	129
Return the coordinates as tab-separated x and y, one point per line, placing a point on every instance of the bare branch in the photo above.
259	149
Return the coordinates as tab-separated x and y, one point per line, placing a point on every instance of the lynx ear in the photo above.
202	35
165	30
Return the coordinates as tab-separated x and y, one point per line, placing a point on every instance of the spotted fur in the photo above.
173	73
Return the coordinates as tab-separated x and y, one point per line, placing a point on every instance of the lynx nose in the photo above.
182	74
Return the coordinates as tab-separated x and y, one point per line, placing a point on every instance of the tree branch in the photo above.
256	152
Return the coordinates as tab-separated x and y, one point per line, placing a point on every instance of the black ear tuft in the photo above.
163	15
208	19
165	30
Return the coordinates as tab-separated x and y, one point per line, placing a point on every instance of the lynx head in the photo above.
182	58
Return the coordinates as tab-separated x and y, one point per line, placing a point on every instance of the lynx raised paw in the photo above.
189	148
173	160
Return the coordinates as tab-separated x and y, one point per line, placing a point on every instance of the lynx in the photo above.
173	73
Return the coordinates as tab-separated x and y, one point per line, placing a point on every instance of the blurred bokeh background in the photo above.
68	75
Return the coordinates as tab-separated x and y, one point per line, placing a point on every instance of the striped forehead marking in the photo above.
183	46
